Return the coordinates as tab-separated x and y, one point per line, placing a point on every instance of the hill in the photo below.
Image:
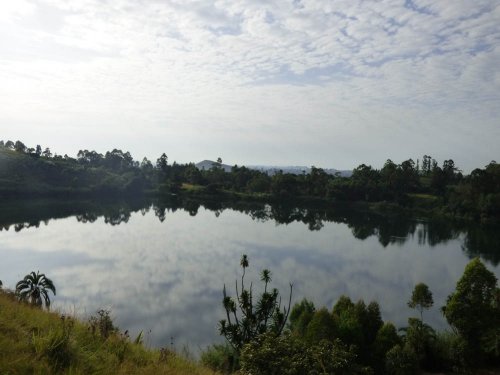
205	165
272	169
35	341
299	169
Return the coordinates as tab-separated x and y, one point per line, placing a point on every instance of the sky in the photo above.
304	82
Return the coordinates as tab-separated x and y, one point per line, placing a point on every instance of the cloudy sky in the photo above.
299	82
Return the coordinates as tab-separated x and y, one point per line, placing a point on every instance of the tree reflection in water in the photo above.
388	229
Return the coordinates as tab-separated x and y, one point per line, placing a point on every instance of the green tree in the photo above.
300	316
20	147
246	320
34	288
419	338
387	338
146	165
46	153
473	308
421	298
321	327
162	162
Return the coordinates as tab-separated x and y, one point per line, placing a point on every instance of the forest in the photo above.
423	187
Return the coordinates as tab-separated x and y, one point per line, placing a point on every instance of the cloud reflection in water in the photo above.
166	277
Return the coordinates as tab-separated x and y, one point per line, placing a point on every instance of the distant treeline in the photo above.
423	185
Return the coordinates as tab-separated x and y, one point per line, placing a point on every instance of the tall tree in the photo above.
146	165
162	162
473	309
20	146
421	298
46	153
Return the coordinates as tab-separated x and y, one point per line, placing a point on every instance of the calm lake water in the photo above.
160	267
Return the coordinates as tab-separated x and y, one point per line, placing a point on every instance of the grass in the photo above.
424	196
190	187
35	341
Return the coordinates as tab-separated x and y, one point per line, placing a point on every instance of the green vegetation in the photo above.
349	338
424	188
421	299
474	311
245	320
34	289
35	341
352	338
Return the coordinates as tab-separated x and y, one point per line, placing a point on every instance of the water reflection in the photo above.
396	229
160	264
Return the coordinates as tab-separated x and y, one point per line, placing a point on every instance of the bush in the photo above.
102	324
289	355
401	361
449	352
220	358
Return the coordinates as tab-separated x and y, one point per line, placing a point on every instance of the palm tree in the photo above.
34	288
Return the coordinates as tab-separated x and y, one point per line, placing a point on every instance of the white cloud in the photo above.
217	72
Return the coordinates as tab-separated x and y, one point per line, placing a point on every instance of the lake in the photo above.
160	266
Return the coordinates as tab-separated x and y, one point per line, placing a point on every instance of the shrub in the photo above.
102	324
289	355
448	352
220	358
401	361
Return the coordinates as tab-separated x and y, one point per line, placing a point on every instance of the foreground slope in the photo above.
40	342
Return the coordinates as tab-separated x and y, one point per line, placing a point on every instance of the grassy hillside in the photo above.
34	341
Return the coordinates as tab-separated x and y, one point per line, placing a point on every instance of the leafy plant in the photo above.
245	320
34	288
102	324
